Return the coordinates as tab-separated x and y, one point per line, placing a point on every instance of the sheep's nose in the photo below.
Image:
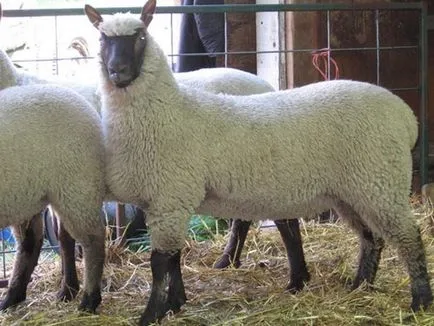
119	73
119	69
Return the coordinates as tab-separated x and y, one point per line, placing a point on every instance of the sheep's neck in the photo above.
138	117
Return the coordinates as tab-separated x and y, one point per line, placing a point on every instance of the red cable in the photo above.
324	54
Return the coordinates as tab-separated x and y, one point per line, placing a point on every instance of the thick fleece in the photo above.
224	80
51	152
293	152
335	144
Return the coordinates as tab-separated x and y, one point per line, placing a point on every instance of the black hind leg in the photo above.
232	252
370	253
290	233
69	286
371	245
29	237
395	221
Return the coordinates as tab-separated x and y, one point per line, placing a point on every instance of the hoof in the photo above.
176	304
297	283
67	294
151	316
295	287
11	301
157	313
422	298
225	262
363	284
90	302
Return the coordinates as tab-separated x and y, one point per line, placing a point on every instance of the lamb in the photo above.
218	80
62	165
266	155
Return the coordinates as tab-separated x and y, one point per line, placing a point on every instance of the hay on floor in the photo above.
251	295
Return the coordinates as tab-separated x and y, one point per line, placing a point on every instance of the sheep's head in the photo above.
122	42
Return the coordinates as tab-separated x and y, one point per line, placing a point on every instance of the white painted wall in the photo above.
270	31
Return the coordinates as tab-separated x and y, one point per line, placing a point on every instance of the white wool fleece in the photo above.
275	155
120	24
51	151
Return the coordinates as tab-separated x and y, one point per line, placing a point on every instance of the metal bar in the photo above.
423	114
172	43
4	254
226	39
377	42
328	45
415	88
120	222
222	8
385	48
57	44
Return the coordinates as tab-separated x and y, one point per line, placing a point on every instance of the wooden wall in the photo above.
241	31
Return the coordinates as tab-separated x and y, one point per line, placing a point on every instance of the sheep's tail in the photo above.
410	124
413	128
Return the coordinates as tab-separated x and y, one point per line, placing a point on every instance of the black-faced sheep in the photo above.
218	80
336	144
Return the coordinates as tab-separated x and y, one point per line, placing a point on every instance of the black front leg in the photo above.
166	271
70	286
232	252
29	237
177	295
290	233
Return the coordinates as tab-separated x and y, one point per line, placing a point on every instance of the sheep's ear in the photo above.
93	15
148	12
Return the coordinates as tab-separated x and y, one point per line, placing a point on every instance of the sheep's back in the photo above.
299	145
224	80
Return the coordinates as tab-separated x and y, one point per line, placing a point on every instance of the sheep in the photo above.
61	165
218	80
256	156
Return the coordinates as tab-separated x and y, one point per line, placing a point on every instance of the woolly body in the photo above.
47	145
224	80
339	144
282	154
51	152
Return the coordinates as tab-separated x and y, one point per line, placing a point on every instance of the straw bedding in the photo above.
251	295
